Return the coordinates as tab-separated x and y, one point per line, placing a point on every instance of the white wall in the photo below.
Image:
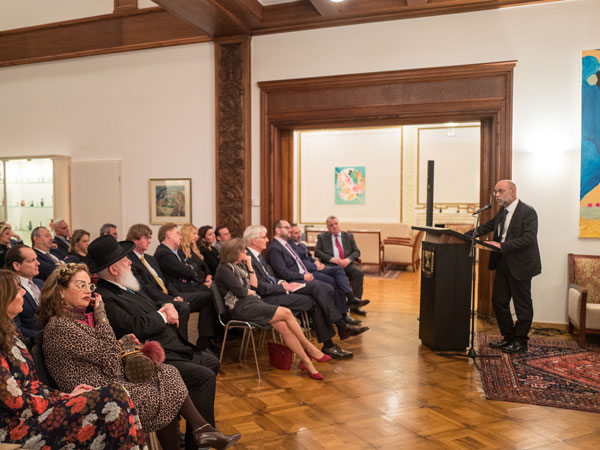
153	109
546	40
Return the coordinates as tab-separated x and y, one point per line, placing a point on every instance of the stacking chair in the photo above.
228	324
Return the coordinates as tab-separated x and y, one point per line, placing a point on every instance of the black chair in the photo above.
229	324
37	354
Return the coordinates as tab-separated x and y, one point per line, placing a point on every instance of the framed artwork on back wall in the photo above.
170	200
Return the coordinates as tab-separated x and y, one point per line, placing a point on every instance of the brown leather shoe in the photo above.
215	439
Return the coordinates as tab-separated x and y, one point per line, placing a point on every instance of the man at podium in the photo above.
518	261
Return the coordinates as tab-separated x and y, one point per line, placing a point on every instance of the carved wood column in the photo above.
233	167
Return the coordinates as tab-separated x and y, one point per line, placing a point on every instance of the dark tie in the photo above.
296	257
501	228
339	246
263	266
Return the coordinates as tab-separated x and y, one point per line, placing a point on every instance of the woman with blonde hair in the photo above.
189	247
35	416
5	235
235	278
81	346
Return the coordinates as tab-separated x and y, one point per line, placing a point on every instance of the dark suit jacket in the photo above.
304	255
265	287
61	251
181	275
47	265
25	320
211	257
520	247
136	313
283	263
147	281
324	248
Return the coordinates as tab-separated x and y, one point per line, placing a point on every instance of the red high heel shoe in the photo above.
314	376
322	359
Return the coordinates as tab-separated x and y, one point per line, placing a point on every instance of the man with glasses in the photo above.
23	261
516	263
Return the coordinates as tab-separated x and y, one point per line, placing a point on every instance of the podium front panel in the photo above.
445	296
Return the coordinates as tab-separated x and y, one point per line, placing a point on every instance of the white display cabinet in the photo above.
35	191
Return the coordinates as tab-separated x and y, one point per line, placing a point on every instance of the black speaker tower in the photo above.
429	217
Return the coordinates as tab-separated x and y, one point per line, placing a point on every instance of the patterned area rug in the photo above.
551	373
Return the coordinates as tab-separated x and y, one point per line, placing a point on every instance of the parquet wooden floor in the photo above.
394	394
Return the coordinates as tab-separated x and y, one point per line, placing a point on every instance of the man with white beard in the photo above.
130	310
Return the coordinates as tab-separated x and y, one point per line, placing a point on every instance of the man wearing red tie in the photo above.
338	247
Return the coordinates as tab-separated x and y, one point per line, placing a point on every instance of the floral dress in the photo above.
39	417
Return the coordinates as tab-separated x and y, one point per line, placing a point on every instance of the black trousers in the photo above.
301	302
332	279
355	275
201	301
505	288
183	310
199	376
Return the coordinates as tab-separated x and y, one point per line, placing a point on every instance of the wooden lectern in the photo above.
446	277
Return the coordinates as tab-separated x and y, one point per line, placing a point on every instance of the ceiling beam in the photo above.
98	35
209	16
325	8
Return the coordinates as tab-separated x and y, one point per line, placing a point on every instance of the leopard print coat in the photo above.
76	353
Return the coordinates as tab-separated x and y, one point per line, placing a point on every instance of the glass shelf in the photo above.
32	207
29	182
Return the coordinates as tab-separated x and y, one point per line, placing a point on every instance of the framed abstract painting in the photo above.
170	200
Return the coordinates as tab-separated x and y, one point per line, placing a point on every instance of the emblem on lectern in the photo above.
428	263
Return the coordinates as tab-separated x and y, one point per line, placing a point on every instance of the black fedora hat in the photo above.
105	250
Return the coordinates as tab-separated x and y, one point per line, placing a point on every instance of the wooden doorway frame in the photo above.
475	92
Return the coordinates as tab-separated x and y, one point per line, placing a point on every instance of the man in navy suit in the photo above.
184	278
518	261
298	296
61	239
339	248
330	274
23	261
42	244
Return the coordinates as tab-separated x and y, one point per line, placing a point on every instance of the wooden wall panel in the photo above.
233	157
460	93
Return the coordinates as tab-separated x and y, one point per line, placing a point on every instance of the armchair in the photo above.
584	295
403	250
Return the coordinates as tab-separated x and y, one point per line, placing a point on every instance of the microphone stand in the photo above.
472	353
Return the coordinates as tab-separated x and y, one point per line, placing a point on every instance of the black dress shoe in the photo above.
515	347
216	439
358	310
351	320
499	344
336	352
350	331
358	302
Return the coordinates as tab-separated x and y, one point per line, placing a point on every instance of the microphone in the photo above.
483	208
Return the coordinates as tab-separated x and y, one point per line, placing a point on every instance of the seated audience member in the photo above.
14	237
41	241
206	242
38	416
152	281
81	347
222	234
109	228
61	239
298	296
130	310
5	244
22	260
330	274
80	240
184	278
339	248
234	277
189	247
